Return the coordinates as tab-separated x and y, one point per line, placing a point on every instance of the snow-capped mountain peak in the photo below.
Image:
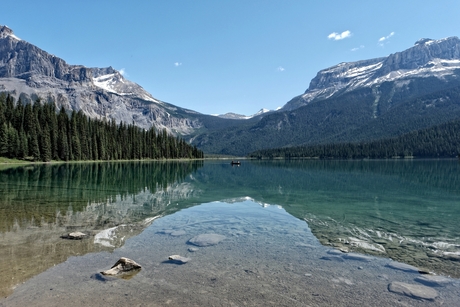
7	32
427	58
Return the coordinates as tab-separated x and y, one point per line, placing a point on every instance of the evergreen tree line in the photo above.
442	141
37	132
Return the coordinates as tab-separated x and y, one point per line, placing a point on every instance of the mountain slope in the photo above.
427	58
359	101
28	72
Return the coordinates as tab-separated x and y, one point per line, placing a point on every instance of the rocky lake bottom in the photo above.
237	253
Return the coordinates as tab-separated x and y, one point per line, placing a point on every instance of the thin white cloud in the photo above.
385	38
123	72
280	68
338	36
177	64
357	48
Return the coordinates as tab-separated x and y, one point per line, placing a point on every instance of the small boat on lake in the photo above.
235	163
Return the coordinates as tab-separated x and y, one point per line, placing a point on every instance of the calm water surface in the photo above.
284	224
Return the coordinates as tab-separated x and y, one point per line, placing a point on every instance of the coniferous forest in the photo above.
441	141
37	132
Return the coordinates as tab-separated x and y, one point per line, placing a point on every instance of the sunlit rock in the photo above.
124	266
178	259
77	235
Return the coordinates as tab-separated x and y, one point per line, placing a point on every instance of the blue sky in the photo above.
225	56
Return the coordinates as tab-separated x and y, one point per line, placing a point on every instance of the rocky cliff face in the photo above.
427	58
99	92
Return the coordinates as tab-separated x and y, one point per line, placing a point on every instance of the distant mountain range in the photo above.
357	101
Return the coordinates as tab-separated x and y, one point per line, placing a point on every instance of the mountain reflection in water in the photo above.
405	210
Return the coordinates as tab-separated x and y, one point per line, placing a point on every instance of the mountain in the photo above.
239	116
350	102
427	58
28	72
358	101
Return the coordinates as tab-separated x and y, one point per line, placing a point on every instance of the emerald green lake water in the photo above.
288	226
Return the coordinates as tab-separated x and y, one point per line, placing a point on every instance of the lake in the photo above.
292	233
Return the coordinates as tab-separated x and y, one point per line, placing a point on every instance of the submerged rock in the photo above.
433	280
357	257
207	239
414	291
335	252
177	233
402	266
77	235
178	259
124	266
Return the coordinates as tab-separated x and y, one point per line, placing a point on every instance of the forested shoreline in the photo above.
441	141
36	132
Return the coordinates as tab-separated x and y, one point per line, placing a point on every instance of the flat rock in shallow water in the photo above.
206	239
402	266
414	291
335	252
178	259
357	257
177	233
433	280
122	266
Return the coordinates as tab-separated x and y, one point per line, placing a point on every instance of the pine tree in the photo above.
74	138
23	145
3	139
62	141
13	141
45	144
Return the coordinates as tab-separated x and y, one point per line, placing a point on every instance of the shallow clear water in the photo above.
281	222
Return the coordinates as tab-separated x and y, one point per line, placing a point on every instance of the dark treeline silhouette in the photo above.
37	132
441	141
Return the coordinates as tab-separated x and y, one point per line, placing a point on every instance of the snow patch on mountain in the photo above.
427	58
105	82
7	32
239	116
114	82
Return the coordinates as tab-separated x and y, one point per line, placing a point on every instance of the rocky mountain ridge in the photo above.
99	92
427	58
